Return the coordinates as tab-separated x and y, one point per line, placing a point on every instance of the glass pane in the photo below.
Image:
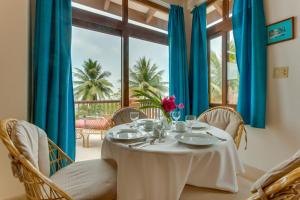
108	8
149	68
216	70
232	71
214	13
148	15
96	60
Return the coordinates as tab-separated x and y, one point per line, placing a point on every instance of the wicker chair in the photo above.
226	119
39	186
285	188
122	116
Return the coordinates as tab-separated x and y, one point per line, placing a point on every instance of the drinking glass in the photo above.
176	114
190	119
134	116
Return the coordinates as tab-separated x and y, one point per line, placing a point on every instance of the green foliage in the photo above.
150	99
91	83
145	76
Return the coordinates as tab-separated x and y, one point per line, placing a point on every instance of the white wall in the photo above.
281	138
14	23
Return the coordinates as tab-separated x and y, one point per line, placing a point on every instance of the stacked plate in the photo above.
200	126
197	139
127	135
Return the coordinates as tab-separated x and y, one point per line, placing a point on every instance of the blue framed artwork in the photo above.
281	31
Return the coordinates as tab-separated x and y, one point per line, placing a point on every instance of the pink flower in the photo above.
181	106
168	104
172	98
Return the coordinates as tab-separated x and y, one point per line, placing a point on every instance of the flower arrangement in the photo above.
150	99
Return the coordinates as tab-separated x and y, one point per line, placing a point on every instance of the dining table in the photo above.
160	170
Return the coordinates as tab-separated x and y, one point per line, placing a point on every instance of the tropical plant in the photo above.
91	82
216	78
144	75
150	99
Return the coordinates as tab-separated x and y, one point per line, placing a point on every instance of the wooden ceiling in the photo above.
148	12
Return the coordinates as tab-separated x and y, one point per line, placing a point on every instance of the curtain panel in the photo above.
178	65
250	34
198	62
53	89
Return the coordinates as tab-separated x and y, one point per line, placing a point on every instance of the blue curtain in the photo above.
198	62
53	89
249	28
178	66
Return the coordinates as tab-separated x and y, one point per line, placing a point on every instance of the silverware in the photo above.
152	142
221	139
137	144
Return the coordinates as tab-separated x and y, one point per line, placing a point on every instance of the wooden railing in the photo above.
106	108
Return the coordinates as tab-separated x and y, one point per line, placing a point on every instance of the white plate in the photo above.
141	122
200	126
127	134
197	139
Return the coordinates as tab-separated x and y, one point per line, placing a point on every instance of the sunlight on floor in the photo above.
91	152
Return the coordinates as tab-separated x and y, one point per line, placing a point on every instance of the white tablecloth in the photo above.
160	171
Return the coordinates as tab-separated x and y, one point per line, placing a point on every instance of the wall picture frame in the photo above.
281	31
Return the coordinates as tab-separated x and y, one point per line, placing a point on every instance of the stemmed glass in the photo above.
134	116
176	114
190	119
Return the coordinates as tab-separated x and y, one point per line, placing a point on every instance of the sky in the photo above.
106	49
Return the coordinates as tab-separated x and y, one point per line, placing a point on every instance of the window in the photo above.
139	22
223	71
96	61
148	68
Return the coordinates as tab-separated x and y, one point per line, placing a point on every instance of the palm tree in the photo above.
216	77
145	75
91	82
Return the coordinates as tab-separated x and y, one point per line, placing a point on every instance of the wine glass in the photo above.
176	114
134	116
190	119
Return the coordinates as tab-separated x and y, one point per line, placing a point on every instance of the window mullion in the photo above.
224	68
125	55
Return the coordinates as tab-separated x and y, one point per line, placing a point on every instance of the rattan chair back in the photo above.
37	185
122	116
241	128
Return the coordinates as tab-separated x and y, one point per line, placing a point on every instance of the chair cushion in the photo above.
88	180
277	172
222	119
195	193
32	142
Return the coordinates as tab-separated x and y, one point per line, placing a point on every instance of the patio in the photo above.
91	152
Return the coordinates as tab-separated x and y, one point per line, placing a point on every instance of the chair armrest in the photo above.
58	158
280	184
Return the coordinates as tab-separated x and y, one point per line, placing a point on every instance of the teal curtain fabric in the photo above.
198	62
250	34
178	66
53	89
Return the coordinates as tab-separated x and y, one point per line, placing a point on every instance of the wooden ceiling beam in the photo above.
106	4
150	14
153	5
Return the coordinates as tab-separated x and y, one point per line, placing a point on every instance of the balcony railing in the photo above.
106	108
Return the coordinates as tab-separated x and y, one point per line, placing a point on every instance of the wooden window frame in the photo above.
221	29
95	22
